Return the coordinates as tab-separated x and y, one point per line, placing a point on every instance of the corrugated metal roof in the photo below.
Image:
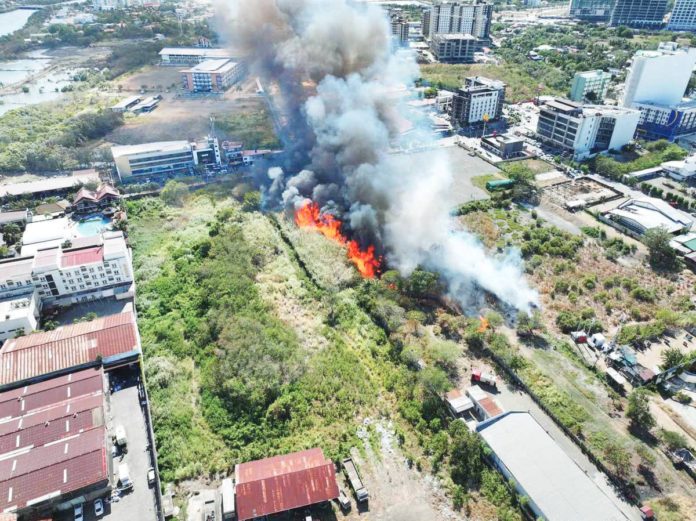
63	467
82	257
44	394
66	347
284	483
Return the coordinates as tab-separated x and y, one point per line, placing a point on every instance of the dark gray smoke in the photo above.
334	64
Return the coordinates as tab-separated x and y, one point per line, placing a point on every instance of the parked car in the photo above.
151	477
343	500
79	512
98	507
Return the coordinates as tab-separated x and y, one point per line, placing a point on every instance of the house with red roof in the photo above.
283	483
88	201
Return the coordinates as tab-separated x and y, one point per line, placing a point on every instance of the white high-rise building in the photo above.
659	77
683	17
459	18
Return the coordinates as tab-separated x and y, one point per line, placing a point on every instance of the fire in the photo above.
309	216
484	325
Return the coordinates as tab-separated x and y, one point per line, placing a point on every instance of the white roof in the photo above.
43	231
653	213
548	476
195	51
114	245
16	307
219	66
146	148
50	183
460	404
124	103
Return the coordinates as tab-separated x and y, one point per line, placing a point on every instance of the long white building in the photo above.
94	267
659	77
586	130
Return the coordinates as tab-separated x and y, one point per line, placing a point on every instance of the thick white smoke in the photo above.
343	131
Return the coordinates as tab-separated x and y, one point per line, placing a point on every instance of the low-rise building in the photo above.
682	171
19	314
212	76
50	186
636	216
485	405
146	105
192	55
455	48
126	104
557	489
164	158
89	201
283	483
109	342
590	86
54	450
585	130
16	217
505	147
478	100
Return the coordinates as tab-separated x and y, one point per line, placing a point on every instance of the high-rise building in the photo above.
452	18
590	86
479	98
455	48
591	10
586	130
683	17
659	77
641	14
400	27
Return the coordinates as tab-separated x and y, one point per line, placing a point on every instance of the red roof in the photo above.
63	467
103	191
45	394
80	257
282	483
67	347
491	407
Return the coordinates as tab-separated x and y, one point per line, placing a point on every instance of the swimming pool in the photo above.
92	225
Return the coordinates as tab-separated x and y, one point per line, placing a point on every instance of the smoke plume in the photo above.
338	75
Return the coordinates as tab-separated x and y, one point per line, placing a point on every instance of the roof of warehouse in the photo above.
284	483
67	347
43	394
50	183
549	477
58	468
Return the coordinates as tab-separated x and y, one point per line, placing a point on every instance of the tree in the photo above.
174	193
527	324
618	458
466	455
662	256
639	410
252	201
523	176
672	357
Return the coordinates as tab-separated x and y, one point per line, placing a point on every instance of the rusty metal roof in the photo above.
32	356
284	483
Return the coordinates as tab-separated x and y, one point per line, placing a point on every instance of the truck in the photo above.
120	436
354	479
484	377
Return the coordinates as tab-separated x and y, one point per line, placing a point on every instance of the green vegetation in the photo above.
662	255
48	137
657	153
639	410
254	129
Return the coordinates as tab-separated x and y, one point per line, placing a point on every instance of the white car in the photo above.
98	507
79	513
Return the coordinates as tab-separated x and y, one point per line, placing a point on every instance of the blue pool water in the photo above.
92	225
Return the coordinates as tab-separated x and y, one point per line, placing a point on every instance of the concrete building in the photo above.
88	201
164	158
484	404
126	104
659	77
479	97
505	147
283	483
54	451
591	10
455	18
192	55
640	14
585	130
592	84
19	314
683	17
636	216
540	470
454	48
212	76
50	186
682	171
400	27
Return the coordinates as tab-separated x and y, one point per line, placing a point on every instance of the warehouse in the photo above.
557	489
636	216
53	444
50	186
283	483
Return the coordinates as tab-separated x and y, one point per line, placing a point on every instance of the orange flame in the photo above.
484	325
309	216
